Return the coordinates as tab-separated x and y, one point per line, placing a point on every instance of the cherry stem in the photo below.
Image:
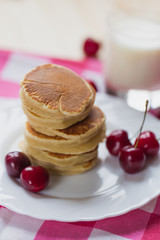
144	117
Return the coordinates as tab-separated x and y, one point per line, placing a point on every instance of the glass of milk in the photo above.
133	57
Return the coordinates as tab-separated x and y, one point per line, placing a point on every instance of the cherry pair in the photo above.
33	178
132	157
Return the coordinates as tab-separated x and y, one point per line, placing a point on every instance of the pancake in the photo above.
53	91
56	122
76	169
63	129
58	144
86	128
42	111
62	161
82	137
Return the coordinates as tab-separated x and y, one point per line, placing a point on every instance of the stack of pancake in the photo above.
63	128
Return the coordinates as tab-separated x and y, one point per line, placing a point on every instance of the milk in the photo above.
133	54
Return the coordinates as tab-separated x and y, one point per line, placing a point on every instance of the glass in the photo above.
132	61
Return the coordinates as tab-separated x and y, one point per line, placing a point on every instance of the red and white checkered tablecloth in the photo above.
143	223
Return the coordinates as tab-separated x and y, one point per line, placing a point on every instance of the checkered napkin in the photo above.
143	223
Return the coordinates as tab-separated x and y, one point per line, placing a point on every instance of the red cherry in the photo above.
93	84
34	178
15	163
148	143
116	141
132	159
155	112
91	47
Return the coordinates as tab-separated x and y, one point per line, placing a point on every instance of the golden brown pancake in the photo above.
63	161
59	144
87	127
76	169
57	90
56	122
82	137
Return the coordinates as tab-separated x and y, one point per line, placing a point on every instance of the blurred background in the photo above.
51	27
57	27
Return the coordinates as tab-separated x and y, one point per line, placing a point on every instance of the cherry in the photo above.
34	178
132	159
116	141
155	112
15	163
93	84
91	47
148	143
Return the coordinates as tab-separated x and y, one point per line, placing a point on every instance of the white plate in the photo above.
105	191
